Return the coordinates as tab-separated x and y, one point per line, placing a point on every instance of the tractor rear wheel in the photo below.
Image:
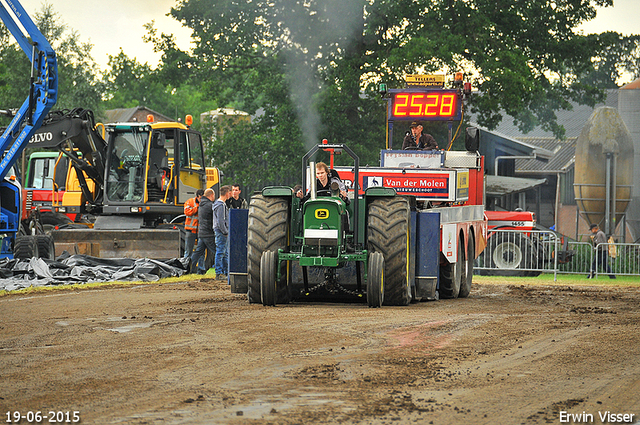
268	267
388	233
267	231
451	275
375	280
467	270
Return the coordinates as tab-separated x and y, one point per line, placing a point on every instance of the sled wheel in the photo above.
467	270
451	275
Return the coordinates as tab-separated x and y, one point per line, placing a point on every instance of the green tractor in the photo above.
410	229
328	247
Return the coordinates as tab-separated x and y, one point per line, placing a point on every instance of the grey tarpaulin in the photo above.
70	269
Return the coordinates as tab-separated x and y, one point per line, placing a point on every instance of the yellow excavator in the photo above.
128	181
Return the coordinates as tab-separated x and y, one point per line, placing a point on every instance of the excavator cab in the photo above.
152	168
158	165
128	168
126	163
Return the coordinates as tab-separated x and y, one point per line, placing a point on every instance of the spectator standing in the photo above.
601	247
235	201
221	230
191	222
206	236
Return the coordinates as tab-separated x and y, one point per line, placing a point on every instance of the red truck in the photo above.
517	247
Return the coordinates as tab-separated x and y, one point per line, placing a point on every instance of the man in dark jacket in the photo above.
221	230
323	183
601	247
235	201
416	139
206	237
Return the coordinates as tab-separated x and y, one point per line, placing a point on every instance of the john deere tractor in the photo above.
411	231
328	247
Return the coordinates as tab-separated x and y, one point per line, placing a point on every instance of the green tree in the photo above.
14	66
129	84
618	55
78	85
320	62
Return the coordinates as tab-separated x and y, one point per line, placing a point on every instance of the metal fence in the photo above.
516	253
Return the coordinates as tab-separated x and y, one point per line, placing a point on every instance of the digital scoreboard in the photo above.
425	105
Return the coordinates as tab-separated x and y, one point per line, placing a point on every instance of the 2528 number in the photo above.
425	105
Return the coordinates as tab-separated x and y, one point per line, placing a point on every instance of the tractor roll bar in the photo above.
356	189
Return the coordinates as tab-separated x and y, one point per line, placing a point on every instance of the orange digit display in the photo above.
400	104
431	108
447	107
416	105
425	105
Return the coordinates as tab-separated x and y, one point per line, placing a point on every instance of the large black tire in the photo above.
267	231
451	275
375	280
388	229
467	270
511	254
50	220
25	247
46	248
268	268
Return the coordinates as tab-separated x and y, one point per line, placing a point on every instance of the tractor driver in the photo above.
324	181
416	139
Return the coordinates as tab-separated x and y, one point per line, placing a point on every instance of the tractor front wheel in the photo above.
375	280
268	268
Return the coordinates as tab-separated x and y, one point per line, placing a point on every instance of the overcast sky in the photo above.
112	24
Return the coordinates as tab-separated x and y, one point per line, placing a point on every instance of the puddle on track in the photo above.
128	328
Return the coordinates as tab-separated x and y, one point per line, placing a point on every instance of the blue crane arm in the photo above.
43	92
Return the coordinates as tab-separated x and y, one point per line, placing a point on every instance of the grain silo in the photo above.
629	108
604	169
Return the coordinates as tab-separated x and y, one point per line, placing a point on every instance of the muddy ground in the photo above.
193	353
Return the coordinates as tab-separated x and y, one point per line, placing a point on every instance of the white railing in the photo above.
516	253
626	260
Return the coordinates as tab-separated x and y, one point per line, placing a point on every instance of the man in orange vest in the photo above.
191	222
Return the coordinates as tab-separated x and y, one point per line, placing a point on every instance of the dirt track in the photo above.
195	353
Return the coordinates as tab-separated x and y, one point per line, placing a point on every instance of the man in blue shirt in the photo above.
221	230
